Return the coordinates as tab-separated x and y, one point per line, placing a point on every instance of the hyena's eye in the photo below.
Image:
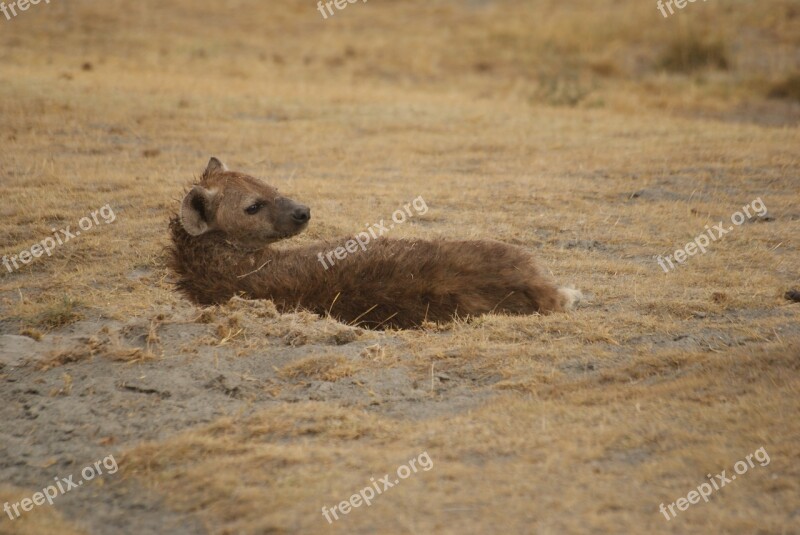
254	208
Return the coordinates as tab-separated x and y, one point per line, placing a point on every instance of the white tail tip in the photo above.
571	297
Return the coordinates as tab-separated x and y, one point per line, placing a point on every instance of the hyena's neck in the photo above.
211	269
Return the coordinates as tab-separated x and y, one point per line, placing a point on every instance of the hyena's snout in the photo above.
301	214
293	215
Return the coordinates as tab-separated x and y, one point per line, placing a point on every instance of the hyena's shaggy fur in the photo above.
220	250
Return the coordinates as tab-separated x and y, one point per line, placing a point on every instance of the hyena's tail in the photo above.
570	297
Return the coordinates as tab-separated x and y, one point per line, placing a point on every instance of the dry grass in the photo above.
325	368
550	125
58	313
602	450
788	88
48	520
688	53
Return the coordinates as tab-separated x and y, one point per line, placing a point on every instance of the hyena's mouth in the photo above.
288	233
296	231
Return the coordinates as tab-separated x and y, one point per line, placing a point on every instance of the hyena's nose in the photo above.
301	214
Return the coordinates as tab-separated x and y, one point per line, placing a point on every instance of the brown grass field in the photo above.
595	134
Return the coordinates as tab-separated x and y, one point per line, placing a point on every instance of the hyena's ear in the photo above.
214	166
196	216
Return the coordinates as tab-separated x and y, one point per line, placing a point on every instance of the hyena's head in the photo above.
243	210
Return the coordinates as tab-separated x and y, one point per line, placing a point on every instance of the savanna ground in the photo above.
596	134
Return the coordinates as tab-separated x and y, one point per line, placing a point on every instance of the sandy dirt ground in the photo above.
600	136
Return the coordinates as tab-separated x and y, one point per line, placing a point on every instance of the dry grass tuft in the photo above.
329	368
58	313
688	53
44	520
253	308
30	332
62	357
106	343
788	88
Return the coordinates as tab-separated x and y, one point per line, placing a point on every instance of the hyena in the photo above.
221	247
